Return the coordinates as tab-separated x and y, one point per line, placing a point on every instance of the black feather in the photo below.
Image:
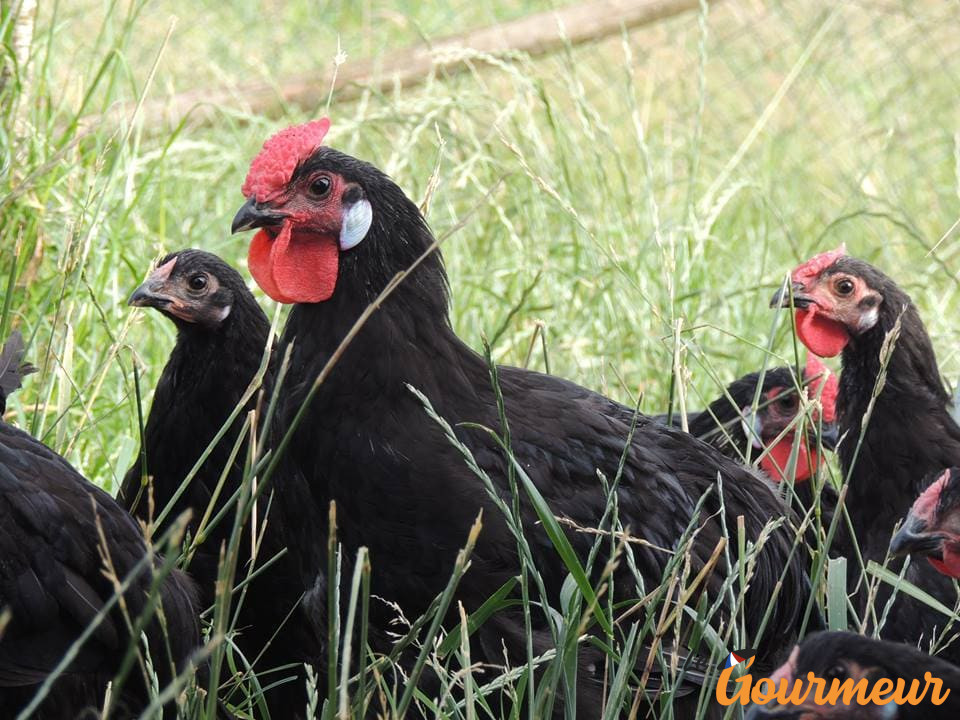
12	367
52	581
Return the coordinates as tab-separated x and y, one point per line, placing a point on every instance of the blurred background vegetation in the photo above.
656	184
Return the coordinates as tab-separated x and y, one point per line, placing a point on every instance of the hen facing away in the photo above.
334	231
58	532
846	657
222	335
845	305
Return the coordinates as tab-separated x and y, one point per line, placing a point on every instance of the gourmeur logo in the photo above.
796	691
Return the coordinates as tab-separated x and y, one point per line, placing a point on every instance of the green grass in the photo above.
653	188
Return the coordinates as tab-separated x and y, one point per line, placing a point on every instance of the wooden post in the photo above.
535	34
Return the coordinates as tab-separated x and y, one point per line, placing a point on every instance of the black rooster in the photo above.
932	528
335	231
58	535
846	657
847	305
222	335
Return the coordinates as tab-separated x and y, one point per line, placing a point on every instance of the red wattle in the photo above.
295	267
821	335
258	260
775	462
950	565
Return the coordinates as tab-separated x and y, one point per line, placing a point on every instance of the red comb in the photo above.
824	382
273	167
926	503
816	265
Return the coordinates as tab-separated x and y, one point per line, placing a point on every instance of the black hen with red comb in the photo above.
845	305
334	231
768	433
768	437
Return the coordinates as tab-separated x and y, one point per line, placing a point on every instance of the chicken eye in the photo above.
837	672
787	402
844	286
197	282
320	186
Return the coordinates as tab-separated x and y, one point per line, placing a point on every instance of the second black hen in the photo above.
222	335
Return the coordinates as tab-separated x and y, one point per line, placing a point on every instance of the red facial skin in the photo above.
950	565
297	262
781	409
778	416
821	335
833	313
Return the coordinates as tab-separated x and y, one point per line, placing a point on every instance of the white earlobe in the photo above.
752	427
356	224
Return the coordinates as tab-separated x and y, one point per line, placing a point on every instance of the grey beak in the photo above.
781	298
252	215
146	296
913	539
829	436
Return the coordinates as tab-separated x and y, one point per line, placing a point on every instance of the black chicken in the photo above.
335	231
732	426
844	656
932	528
222	335
847	305
58	534
768	437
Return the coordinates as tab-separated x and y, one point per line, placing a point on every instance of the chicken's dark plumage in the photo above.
53	582
845	656
222	335
847	305
401	487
